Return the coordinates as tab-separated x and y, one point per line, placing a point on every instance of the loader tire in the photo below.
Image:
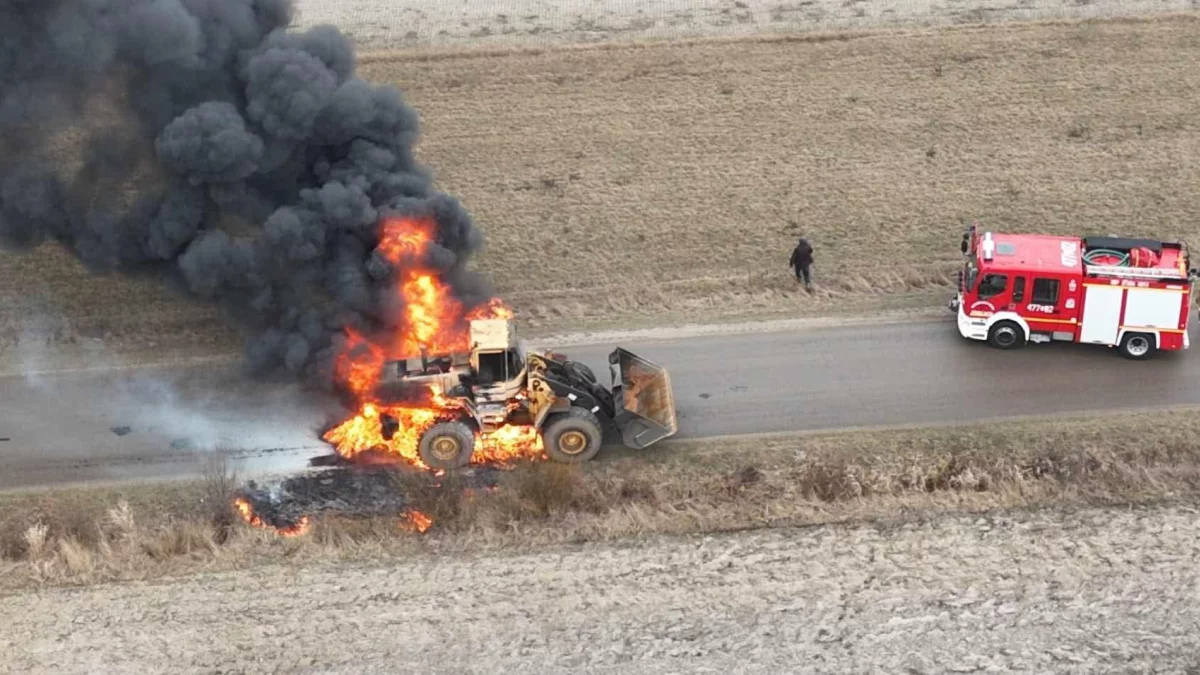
572	437
447	445
1006	335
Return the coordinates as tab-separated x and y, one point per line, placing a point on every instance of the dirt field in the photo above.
1093	591
676	178
380	24
658	184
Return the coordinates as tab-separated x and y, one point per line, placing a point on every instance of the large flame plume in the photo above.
434	323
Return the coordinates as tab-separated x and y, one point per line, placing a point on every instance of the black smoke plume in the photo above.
203	142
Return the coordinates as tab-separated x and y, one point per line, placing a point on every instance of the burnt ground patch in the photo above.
355	491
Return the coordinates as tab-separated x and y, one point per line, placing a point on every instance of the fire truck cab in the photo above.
1132	294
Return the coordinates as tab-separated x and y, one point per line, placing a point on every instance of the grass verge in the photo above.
84	536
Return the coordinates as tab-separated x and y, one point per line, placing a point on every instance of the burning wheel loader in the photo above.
498	386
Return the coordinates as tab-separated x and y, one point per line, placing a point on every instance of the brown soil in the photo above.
620	185
673	180
1085	591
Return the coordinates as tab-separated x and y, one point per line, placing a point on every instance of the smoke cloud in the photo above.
202	142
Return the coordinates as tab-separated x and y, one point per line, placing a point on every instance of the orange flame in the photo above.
361	364
429	307
247	512
363	432
434	322
507	443
494	309
433	318
415	521
406	238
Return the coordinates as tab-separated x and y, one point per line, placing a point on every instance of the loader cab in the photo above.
494	367
497	361
499	375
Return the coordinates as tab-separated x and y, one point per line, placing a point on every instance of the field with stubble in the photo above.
387	24
667	182
965	594
673	180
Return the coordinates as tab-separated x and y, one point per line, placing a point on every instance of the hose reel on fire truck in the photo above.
1107	257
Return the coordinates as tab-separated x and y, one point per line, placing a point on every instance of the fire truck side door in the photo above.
1052	306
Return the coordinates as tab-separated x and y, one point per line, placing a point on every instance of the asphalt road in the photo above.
68	427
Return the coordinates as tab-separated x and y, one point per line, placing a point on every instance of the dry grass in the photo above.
677	177
82	536
668	181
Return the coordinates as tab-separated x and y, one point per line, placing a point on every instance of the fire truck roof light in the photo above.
989	246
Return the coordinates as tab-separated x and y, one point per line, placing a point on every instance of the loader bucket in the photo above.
643	403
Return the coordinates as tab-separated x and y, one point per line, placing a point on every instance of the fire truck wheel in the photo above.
1137	346
447	445
1006	335
573	437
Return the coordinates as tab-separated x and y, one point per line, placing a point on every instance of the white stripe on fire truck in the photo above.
1161	330
1140	288
1040	320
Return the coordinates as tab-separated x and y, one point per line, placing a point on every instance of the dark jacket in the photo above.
802	255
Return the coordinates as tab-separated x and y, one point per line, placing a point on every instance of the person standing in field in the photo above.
801	260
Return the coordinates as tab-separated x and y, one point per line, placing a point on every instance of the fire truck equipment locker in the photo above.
1101	314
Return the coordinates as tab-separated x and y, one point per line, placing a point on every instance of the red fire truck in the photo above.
1133	294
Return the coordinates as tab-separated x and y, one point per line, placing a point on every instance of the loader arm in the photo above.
643	402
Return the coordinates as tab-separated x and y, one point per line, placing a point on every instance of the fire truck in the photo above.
1132	294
